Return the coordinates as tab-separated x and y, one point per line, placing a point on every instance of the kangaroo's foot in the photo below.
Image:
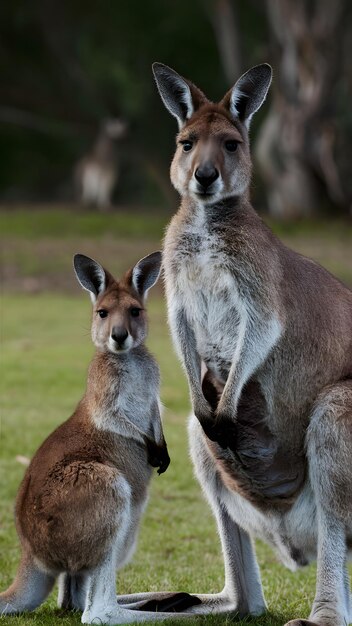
116	614
320	622
301	622
190	604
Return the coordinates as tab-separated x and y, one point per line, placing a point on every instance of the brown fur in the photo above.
79	504
70	485
243	470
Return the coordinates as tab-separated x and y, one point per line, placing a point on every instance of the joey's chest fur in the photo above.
130	394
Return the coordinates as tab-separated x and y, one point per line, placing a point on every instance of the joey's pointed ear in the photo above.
249	93
90	274
146	272
179	95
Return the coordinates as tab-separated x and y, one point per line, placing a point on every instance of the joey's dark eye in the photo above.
135	311
187	146
102	313
231	146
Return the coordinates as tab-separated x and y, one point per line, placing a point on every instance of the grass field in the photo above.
45	350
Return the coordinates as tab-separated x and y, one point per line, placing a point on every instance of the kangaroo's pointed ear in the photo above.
249	93
90	274
146	272
179	95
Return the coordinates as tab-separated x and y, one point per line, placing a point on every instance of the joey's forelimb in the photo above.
158	455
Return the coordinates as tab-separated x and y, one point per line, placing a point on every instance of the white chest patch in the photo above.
131	404
207	291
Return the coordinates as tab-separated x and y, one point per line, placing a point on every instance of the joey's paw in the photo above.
164	460
158	456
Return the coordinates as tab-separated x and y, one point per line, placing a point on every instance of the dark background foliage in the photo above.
68	65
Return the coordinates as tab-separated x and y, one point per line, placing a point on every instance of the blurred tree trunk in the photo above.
296	145
223	18
225	24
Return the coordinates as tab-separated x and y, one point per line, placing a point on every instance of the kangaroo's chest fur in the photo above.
210	275
200	280
252	311
216	277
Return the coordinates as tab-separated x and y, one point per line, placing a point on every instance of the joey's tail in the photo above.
29	589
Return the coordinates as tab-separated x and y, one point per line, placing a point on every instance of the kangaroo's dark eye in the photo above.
187	146
231	146
135	311
102	313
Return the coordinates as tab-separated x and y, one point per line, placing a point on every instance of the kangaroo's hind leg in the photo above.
329	452
29	589
242	593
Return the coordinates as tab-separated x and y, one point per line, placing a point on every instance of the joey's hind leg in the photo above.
329	451
29	589
101	606
71	595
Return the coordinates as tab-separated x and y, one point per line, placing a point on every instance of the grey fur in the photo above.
89	273
146	273
265	337
250	91
169	84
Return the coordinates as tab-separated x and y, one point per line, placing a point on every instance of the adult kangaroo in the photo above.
265	336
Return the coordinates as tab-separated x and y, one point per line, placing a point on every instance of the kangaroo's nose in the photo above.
119	335
206	174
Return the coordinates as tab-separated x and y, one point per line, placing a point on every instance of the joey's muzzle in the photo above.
119	338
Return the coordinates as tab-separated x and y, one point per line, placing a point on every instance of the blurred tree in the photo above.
223	17
298	144
68	65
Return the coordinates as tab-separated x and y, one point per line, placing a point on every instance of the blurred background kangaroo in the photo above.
96	174
265	336
81	499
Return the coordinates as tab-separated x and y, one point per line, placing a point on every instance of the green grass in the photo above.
45	353
38	245
62	223
45	350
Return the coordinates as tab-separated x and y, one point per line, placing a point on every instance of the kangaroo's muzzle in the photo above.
205	175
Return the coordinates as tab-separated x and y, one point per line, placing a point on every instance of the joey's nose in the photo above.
205	175
119	335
